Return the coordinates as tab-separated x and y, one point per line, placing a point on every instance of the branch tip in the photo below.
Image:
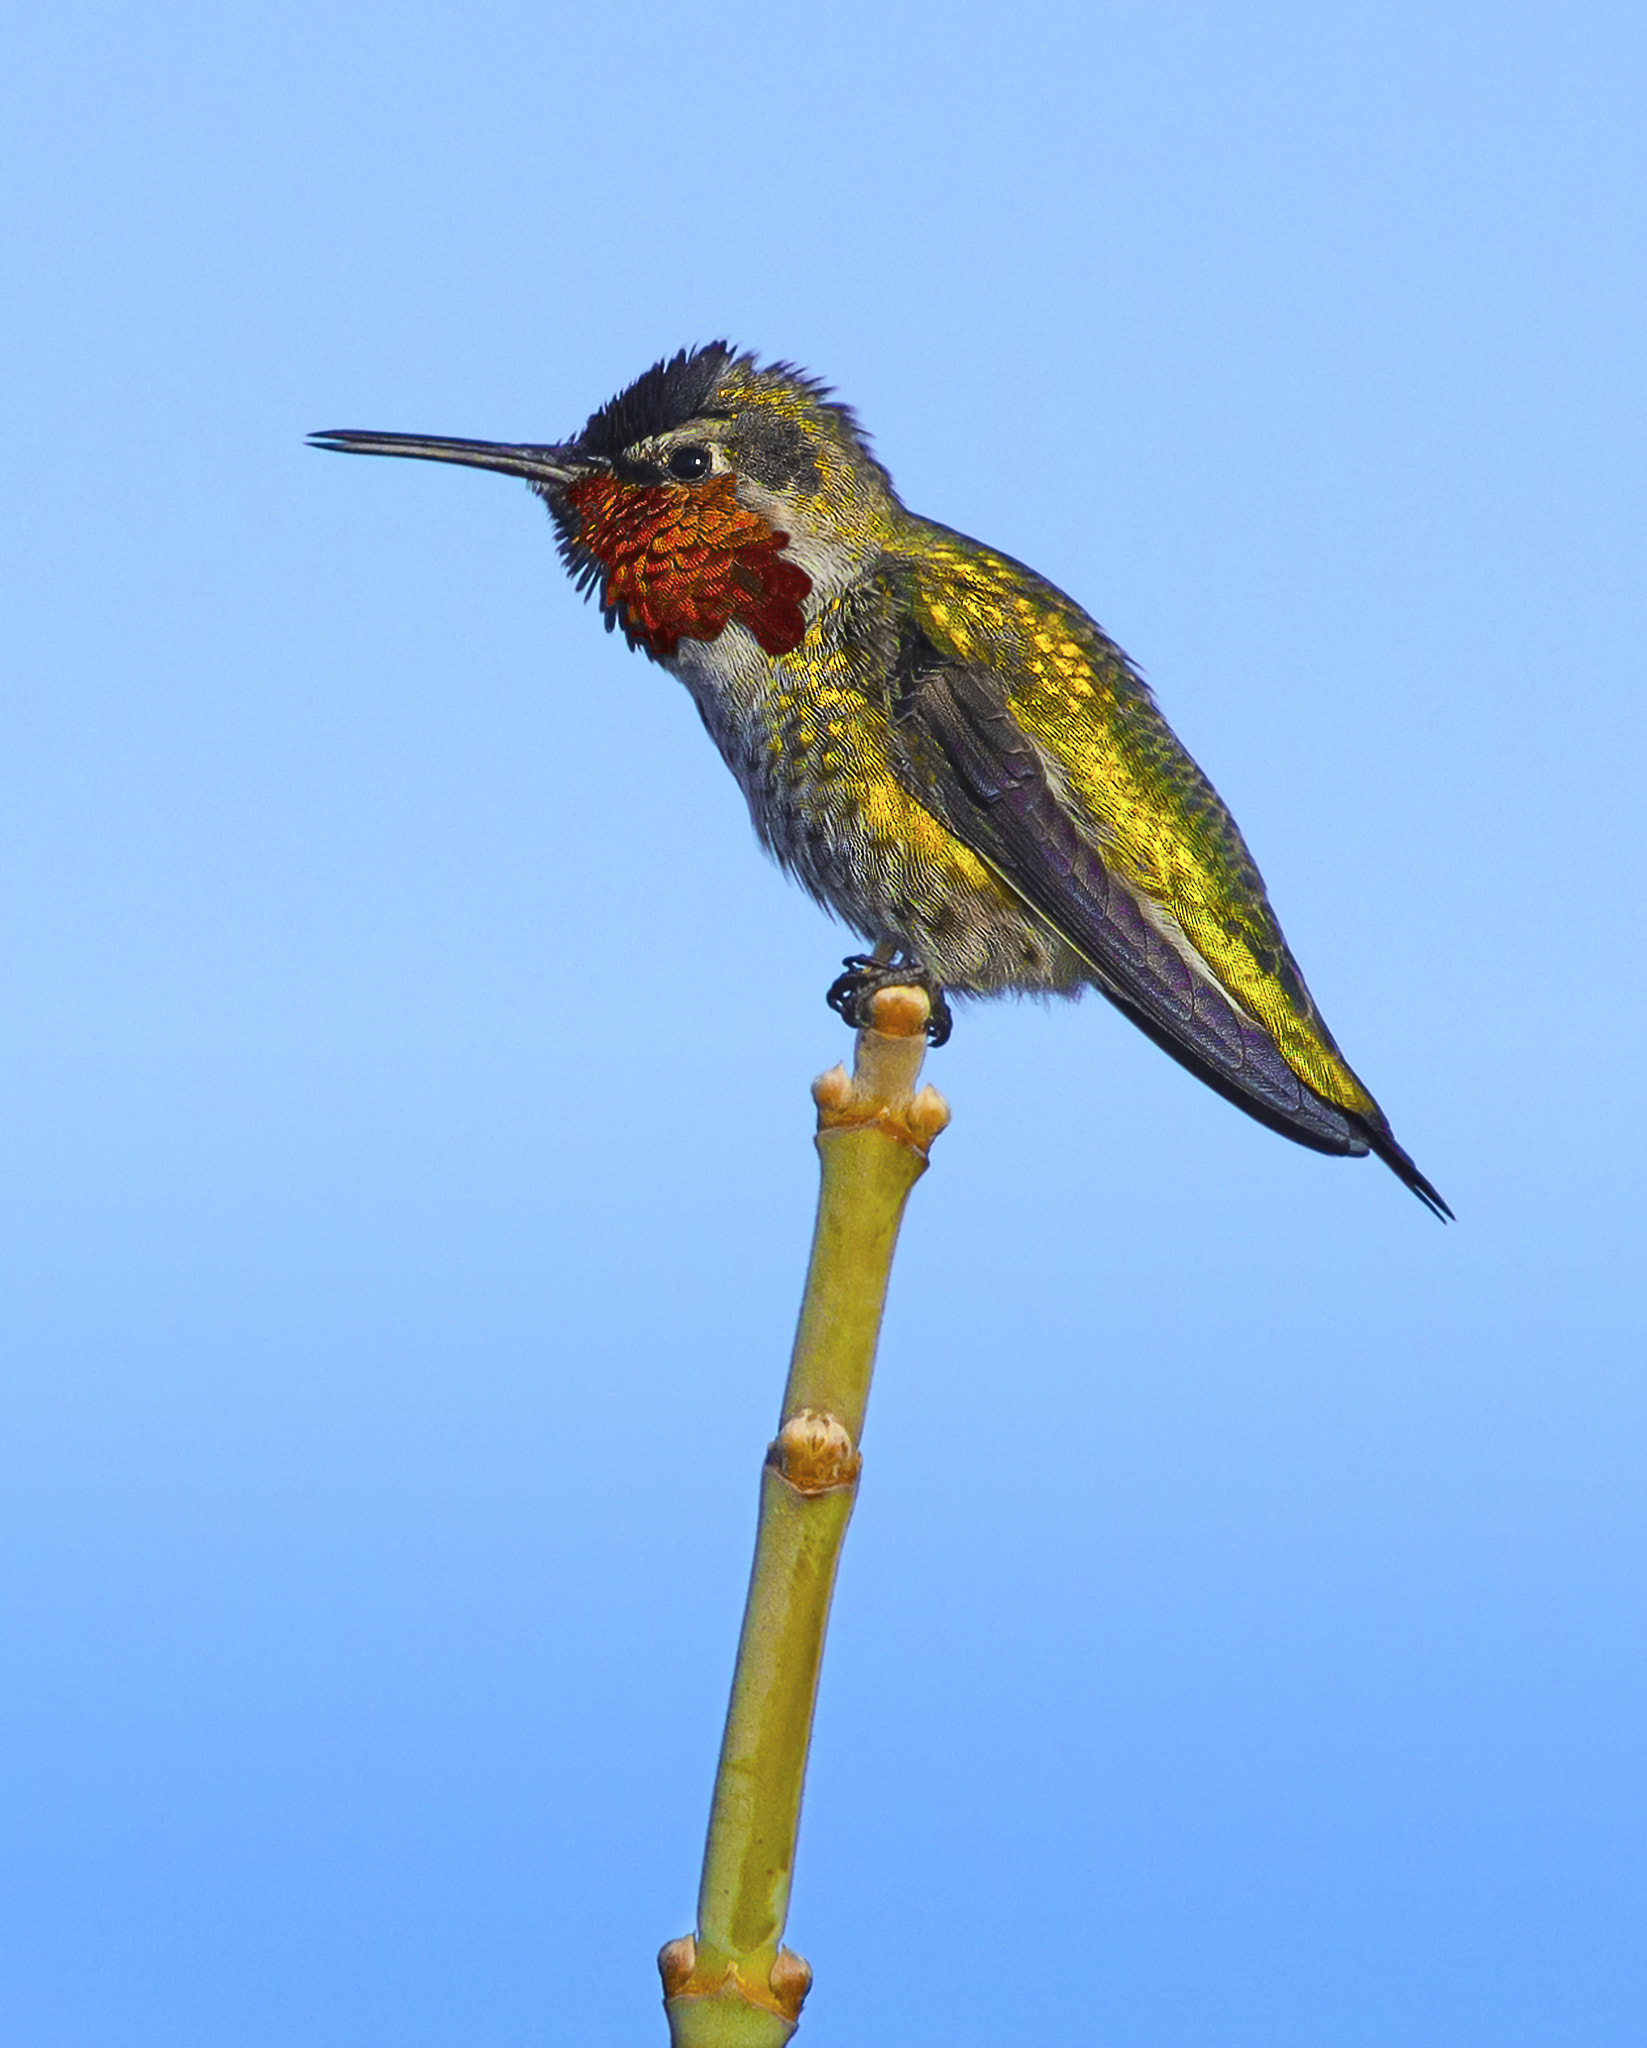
901	1012
886	1066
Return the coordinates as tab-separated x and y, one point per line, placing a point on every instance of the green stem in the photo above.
734	1986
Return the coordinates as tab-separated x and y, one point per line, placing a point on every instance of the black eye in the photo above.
689	465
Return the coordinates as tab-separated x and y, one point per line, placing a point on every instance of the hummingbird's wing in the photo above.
1007	770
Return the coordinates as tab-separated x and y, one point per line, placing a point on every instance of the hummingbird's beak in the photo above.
538	465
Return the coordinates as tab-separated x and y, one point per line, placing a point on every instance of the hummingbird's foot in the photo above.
866	976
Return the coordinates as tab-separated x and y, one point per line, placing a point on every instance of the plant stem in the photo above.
733	1985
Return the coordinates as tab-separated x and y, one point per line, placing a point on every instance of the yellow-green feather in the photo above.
1159	823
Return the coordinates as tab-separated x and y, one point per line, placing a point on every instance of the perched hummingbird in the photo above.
943	748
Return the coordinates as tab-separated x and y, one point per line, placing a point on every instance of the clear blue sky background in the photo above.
405	1048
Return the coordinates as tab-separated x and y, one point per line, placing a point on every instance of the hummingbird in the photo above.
939	745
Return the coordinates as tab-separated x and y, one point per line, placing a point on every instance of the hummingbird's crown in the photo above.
668	395
783	425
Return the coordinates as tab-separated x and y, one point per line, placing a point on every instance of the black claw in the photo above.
845	989
865	976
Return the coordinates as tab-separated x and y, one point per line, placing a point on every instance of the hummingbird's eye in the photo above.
690	465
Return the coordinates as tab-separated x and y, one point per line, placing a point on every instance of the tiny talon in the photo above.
846	988
866	976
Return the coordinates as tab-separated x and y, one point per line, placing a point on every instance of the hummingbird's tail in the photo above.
1260	1082
1381	1140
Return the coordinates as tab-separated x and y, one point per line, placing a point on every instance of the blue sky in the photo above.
1240	1638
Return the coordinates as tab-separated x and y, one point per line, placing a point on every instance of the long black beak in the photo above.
539	465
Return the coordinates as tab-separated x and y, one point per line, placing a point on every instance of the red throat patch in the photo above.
681	562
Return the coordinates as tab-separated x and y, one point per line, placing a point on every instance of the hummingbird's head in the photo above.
712	492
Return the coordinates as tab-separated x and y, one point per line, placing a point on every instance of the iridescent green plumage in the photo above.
1159	825
943	748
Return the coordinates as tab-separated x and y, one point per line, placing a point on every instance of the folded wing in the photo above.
974	764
